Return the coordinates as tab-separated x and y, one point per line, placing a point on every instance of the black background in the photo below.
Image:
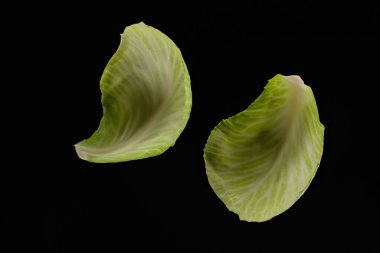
165	202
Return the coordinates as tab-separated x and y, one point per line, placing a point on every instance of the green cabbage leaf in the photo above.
260	161
146	99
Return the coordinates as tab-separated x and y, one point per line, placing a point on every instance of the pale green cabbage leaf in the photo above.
146	98
260	161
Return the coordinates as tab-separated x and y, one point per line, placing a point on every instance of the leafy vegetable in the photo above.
146	98
260	161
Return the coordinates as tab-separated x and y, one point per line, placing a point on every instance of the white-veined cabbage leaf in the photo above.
146	99
260	161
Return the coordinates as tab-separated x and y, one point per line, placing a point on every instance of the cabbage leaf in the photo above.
146	99
260	161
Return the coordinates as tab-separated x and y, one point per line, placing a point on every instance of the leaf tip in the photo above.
295	79
81	154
